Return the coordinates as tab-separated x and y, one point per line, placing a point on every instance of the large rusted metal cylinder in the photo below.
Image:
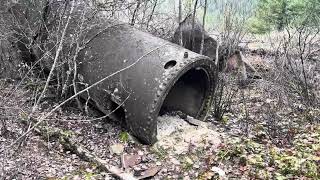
148	76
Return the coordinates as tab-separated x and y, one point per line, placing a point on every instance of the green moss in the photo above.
124	137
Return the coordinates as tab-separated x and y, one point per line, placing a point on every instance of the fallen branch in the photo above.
68	142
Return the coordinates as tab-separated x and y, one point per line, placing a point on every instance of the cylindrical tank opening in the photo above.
188	93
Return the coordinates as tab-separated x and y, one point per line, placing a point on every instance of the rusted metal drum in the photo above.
147	77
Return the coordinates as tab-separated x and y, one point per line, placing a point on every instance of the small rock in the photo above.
140	153
117	149
218	171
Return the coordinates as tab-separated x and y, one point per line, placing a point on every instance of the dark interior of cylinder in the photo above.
187	94
118	112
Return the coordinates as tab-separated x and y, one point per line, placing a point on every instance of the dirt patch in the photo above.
176	135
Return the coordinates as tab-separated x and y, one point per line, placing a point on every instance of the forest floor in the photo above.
255	140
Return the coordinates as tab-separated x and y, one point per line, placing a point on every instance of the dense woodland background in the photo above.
268	126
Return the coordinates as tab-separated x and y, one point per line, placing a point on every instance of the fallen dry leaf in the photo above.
130	160
149	173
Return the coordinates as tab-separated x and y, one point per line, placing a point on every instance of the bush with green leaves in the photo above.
279	14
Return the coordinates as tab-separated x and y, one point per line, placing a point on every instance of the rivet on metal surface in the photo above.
185	55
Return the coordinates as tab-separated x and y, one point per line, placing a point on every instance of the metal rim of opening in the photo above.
203	65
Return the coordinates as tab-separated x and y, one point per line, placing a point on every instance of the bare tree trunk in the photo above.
113	8
203	25
135	13
152	12
193	22
189	4
217	54
179	22
144	10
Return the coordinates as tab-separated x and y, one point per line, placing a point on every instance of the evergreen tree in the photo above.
278	14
